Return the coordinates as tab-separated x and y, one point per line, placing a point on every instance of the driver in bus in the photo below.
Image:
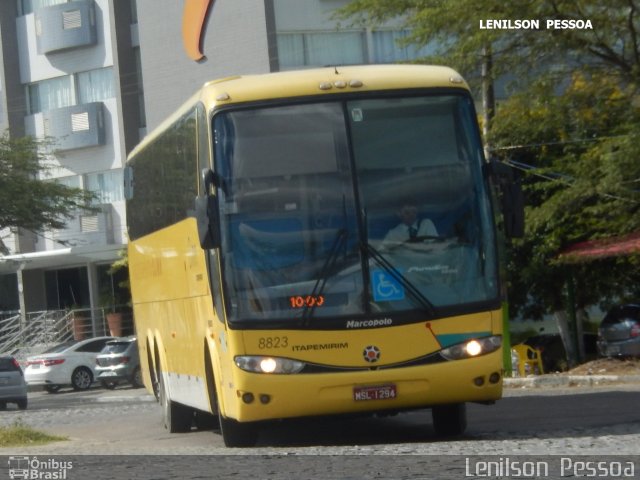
411	228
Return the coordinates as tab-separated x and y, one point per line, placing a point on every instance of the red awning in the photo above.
606	247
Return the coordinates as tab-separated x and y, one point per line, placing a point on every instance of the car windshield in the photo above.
115	347
371	206
7	364
621	314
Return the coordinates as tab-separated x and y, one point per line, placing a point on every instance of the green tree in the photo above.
583	143
572	116
452	28
29	199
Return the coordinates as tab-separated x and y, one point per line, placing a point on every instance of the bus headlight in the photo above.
472	348
259	364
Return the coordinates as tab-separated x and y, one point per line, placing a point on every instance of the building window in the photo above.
92	86
107	186
29	6
320	49
71	20
49	94
95	85
141	111
134	11
72	181
388	48
80	122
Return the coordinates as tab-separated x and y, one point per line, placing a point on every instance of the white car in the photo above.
71	363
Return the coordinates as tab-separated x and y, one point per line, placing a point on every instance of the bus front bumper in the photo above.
263	397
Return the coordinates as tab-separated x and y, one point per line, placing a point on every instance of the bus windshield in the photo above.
370	206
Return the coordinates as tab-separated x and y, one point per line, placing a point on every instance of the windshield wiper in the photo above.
404	281
340	240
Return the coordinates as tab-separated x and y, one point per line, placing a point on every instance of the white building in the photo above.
77	70
69	71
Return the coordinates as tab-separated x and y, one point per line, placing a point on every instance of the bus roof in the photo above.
310	82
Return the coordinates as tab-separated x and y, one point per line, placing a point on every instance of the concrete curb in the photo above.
542	381
124	398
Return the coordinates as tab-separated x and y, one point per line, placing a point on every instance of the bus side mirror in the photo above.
207	214
512	198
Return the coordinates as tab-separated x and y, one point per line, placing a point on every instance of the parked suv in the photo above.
119	362
13	388
619	332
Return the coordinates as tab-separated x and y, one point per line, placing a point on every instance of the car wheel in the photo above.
52	388
109	384
136	378
22	403
81	378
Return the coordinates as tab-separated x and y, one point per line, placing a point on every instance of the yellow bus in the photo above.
316	242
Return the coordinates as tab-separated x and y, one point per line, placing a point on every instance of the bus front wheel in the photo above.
236	434
449	420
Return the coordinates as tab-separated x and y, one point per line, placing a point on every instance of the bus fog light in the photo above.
494	377
264	398
276	365
247	397
478	381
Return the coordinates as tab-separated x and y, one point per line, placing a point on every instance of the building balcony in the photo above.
77	126
66	26
86	228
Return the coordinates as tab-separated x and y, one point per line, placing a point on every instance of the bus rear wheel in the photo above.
176	417
449	420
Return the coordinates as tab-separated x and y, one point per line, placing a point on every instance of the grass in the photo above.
21	435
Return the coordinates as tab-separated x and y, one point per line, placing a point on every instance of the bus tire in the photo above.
153	374
449	420
236	434
176	417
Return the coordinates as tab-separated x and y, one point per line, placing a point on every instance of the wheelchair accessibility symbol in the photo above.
385	287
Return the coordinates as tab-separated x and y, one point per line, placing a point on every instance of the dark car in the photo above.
554	356
13	388
118	363
619	332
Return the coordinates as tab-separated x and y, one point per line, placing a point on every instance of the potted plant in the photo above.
78	322
115	295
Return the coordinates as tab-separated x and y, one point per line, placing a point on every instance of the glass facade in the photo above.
50	94
108	186
90	86
318	49
29	6
95	85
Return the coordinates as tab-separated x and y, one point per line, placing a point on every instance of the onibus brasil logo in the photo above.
34	468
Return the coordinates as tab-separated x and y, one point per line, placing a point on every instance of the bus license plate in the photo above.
376	392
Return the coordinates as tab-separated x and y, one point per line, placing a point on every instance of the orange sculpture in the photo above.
193	26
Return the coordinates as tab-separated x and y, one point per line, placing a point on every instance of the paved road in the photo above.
592	421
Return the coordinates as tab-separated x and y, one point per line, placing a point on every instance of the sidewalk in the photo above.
563	380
